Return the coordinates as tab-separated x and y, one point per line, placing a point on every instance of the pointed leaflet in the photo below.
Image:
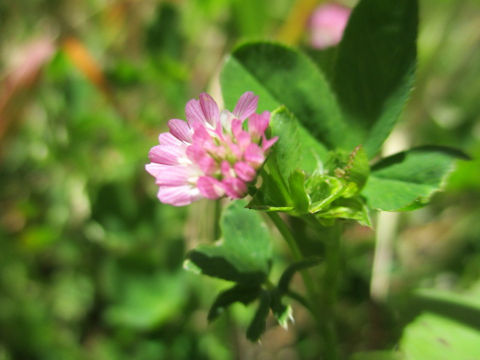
406	181
282	76
238	293
287	275
244	254
375	67
258	324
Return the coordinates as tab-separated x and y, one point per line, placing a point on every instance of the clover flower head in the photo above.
212	154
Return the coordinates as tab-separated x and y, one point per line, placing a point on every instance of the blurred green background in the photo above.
91	262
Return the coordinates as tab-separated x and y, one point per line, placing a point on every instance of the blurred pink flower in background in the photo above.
25	65
28	61
212	154
327	24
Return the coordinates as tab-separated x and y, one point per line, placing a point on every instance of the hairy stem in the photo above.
320	306
332	252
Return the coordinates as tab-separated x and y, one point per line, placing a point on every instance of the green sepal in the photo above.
348	208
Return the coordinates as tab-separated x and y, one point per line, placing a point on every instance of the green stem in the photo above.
332	253
323	314
297	255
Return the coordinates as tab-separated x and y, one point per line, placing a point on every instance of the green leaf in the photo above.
282	76
458	307
238	293
295	148
377	355
375	67
433	337
287	275
324	59
407	180
448	328
258	324
244	253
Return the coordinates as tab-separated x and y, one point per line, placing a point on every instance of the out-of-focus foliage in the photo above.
90	261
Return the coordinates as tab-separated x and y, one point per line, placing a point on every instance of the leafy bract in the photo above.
244	253
297	182
405	181
375	67
282	76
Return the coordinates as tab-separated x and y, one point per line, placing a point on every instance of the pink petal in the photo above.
209	108
233	148
168	139
195	153
180	130
246	105
154	169
200	157
243	140
171	175
166	154
226	169
194	113
178	195
242	137
257	124
210	187
254	155
236	127
244	171
219	151
200	134
235	188
267	144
